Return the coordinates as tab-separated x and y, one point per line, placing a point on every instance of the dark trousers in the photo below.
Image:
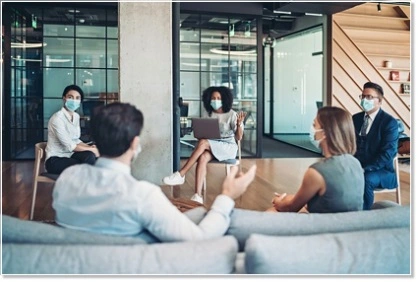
373	180
56	165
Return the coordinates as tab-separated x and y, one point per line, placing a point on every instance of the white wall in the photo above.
297	82
145	74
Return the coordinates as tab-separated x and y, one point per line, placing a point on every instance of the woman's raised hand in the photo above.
240	117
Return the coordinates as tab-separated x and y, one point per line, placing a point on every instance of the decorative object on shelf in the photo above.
406	88
394	75
388	64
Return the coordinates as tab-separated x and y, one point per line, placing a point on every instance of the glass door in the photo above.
297	86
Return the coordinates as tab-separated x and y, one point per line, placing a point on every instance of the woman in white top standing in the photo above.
217	102
64	147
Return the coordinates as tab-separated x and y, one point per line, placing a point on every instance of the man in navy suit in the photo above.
377	142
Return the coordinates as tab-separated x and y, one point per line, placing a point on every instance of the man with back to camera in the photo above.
106	198
377	142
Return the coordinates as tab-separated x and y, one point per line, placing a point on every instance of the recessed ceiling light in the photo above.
73	11
282	12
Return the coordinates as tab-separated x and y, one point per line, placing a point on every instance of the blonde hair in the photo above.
339	130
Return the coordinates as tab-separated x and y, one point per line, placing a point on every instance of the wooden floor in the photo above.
273	175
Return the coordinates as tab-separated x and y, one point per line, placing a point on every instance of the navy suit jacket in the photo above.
381	144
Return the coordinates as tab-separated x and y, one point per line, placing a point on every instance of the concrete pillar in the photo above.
145	79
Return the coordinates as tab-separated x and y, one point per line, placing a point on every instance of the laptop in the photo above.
206	128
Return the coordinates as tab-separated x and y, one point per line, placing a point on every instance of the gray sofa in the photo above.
364	242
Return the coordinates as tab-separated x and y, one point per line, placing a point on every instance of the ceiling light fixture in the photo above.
26	60
27	45
39	60
239	53
282	12
194	64
73	11
57	60
313	14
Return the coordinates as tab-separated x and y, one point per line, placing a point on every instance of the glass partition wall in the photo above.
48	53
297	86
218	51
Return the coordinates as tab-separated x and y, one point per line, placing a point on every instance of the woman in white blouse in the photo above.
217	102
64	147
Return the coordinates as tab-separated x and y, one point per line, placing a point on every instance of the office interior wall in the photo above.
298	75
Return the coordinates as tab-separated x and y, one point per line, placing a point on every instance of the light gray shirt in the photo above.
227	123
63	134
106	198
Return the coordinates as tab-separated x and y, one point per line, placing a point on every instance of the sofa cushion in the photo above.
378	251
384	204
216	256
246	222
16	230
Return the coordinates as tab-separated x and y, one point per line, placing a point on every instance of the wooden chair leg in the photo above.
32	209
398	195
204	190
398	189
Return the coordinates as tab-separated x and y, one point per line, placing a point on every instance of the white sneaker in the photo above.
174	179
197	198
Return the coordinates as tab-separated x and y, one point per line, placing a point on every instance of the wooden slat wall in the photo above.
361	43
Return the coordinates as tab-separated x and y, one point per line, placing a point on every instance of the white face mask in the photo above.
312	137
72	105
216	104
138	150
367	105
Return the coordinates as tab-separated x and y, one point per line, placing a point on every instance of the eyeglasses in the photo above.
367	97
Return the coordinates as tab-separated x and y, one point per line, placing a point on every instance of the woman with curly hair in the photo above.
217	101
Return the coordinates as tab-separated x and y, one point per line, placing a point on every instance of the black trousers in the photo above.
56	165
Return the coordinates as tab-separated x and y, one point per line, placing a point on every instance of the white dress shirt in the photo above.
63	134
106	198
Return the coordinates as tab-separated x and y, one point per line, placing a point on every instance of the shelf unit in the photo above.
384	36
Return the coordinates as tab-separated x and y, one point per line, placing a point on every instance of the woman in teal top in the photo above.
336	183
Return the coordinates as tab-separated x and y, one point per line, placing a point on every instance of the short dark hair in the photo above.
375	86
114	126
226	95
73	87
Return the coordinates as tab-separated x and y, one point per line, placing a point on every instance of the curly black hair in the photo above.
226	95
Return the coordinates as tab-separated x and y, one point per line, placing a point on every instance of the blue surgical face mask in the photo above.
312	137
367	105
72	105
216	104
